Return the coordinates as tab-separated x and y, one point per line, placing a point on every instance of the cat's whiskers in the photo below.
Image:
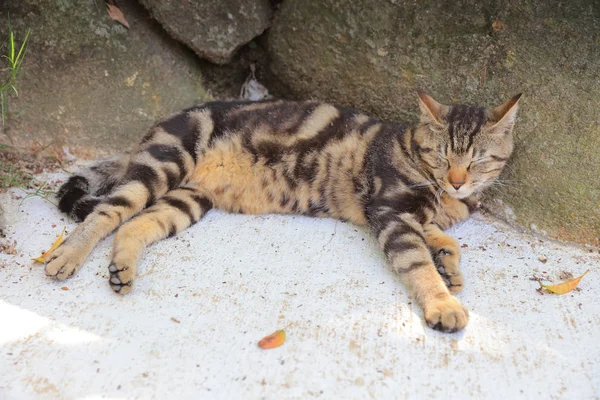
502	183
420	185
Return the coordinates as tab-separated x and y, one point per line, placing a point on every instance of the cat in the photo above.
310	158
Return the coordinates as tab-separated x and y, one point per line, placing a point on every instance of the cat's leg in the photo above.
446	255
174	212
85	190
404	242
145	180
445	249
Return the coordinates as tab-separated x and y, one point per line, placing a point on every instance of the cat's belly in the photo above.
237	184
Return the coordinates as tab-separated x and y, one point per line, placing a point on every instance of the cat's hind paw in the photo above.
65	261
121	278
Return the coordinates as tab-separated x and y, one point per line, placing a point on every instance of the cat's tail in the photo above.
83	191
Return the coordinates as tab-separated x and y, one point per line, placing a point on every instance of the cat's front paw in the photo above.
65	261
447	264
446	314
455	283
121	277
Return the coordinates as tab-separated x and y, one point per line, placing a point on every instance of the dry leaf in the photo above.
117	15
564	287
42	258
64	288
498	25
275	339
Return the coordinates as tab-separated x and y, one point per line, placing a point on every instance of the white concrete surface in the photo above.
203	299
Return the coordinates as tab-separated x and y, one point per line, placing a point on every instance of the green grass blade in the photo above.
23	47
18	66
15	57
11	41
3	106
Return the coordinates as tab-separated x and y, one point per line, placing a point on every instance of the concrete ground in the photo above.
203	299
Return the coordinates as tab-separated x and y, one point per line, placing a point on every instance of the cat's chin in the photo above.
459	196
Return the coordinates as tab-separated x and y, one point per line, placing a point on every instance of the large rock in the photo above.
214	29
373	54
89	82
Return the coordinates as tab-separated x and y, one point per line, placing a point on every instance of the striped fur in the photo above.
309	158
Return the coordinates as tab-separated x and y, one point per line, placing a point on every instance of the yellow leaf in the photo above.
42	258
275	339
564	287
117	15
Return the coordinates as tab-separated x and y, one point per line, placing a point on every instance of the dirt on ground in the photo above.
18	166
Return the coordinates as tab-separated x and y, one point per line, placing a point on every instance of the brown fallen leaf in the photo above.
564	287
275	339
64	288
42	258
117	15
498	25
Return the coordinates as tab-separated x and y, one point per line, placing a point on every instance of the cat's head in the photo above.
464	148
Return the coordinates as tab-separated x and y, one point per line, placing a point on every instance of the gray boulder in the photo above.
214	29
89	83
373	54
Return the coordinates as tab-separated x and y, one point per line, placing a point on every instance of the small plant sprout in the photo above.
14	57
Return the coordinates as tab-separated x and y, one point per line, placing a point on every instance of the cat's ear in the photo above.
502	118
431	110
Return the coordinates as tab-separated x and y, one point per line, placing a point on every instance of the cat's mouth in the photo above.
459	196
460	193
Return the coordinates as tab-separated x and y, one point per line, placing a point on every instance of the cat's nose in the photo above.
457	185
457	176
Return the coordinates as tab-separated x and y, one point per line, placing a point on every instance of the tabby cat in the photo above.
308	158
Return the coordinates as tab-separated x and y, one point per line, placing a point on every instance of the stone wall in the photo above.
88	82
373	54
